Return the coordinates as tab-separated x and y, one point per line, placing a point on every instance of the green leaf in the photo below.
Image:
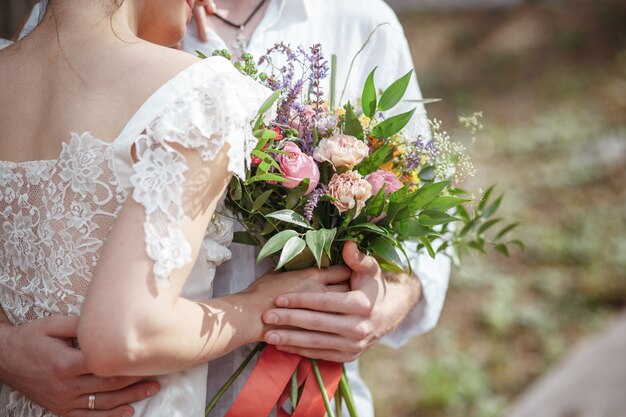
426	194
329	237
266	177
434	218
236	191
485	226
244	238
485	198
376	159
269	102
506	230
394	93
428	246
352	125
501	247
315	240
386	254
492	208
292	248
460	210
370	227
294	196
276	243
368	98
519	244
392	125
445	203
401	195
290	216
424	100
262	199
264	134
375	205
427	173
412	228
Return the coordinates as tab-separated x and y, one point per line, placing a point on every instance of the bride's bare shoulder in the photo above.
147	66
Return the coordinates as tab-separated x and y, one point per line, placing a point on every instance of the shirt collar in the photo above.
288	11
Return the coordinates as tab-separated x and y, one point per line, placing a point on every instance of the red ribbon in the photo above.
269	382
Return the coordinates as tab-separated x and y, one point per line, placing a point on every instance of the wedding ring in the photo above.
92	402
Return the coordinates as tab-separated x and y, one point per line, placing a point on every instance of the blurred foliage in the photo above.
551	80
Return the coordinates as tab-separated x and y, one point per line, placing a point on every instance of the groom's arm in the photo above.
38	360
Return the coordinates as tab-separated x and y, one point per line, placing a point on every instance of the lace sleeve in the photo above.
205	119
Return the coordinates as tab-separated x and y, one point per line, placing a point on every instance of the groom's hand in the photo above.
38	360
340	326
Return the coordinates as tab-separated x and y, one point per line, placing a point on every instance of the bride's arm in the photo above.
131	326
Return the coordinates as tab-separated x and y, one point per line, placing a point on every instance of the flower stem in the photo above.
259	347
320	383
294	389
346	392
338	402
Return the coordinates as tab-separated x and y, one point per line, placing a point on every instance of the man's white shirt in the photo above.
342	28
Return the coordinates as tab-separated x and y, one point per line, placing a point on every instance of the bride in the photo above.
115	151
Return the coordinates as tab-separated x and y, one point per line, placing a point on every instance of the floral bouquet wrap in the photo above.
322	175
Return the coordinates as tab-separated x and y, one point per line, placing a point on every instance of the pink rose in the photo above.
349	189
297	166
297	123
341	151
384	178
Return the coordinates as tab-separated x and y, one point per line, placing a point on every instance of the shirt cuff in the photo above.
434	275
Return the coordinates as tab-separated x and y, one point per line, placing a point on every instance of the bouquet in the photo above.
323	174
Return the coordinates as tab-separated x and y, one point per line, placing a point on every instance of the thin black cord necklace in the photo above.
241	43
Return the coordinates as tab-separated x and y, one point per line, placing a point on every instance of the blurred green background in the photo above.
550	77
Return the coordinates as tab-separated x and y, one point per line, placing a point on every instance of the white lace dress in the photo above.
56	214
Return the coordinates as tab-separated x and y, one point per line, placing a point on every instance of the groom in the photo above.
49	371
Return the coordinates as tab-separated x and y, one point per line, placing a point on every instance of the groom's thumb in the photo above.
357	260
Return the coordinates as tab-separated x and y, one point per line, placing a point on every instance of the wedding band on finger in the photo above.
92	402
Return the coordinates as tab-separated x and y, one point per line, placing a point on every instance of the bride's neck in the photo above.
87	21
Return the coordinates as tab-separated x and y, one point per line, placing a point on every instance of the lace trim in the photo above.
217	114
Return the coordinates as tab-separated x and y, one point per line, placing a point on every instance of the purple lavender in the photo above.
312	201
319	71
289	102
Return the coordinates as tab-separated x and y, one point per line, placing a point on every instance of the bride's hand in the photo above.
38	360
264	291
